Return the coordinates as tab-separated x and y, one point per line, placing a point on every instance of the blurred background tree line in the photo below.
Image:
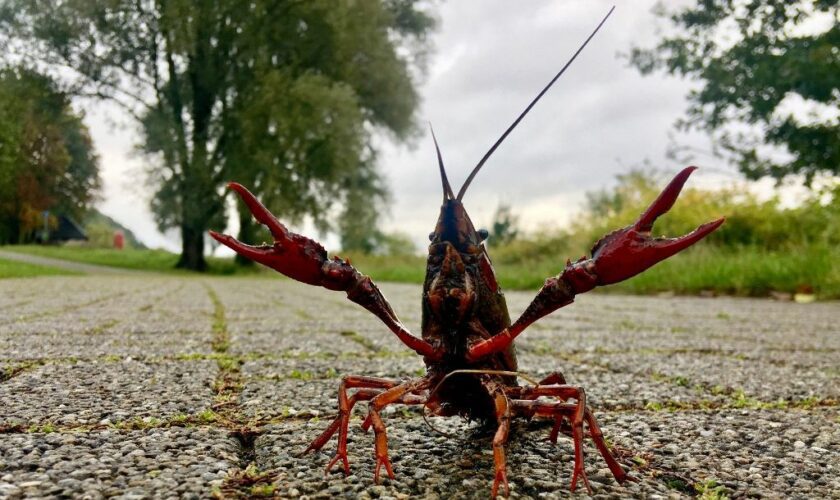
47	160
285	97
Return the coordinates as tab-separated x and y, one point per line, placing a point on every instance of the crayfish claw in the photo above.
664	201
669	246
626	252
250	251
260	213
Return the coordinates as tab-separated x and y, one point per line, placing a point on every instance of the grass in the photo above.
146	260
746	271
14	269
400	269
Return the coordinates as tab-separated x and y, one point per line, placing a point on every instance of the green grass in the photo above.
400	269
146	260
746	271
14	269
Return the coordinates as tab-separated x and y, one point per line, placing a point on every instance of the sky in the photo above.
490	59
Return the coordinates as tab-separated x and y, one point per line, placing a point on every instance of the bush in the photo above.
761	248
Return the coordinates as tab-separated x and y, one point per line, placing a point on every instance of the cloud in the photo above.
600	118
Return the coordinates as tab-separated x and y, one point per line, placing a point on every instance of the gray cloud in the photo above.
598	119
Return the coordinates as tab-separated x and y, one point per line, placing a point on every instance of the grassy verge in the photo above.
146	260
14	269
748	271
400	269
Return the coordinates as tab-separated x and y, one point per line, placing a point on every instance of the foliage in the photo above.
281	95
396	244
47	161
749	221
753	58
762	248
504	227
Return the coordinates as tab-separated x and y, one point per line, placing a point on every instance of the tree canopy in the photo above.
754	59
47	161
280	95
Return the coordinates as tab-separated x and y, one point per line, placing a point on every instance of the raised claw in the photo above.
629	251
292	254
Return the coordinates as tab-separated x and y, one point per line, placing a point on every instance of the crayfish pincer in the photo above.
466	328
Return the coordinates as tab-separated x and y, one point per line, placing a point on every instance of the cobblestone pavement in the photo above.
150	386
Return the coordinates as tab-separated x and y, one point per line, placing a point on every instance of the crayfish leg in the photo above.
369	388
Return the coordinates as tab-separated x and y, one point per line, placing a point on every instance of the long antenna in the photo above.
447	189
522	115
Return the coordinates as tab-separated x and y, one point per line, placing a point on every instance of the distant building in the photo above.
66	230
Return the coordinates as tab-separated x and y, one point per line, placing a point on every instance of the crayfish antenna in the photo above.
447	189
528	108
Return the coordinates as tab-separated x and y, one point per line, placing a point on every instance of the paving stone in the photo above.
78	293
428	465
310	386
94	345
763	381
134	337
155	463
90	393
757	453
606	389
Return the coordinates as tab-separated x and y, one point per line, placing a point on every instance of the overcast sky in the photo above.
490	59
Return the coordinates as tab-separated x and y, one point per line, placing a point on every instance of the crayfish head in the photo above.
451	294
455	228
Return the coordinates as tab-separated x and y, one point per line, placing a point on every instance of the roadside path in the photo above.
159	386
64	264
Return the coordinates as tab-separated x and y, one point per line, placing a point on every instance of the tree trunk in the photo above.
192	249
247	233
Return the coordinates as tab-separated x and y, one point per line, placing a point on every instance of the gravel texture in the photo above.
160	463
109	392
140	386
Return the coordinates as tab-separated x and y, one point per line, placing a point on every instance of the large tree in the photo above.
282	95
755	60
47	161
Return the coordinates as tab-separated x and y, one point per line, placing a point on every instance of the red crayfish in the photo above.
467	338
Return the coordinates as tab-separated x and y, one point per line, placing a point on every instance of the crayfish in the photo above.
467	338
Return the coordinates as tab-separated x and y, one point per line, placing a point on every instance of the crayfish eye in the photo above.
432	236
483	234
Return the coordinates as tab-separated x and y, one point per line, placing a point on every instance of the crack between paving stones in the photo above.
361	340
228	387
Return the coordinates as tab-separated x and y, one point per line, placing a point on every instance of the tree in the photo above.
281	95
505	225
47	161
752	58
